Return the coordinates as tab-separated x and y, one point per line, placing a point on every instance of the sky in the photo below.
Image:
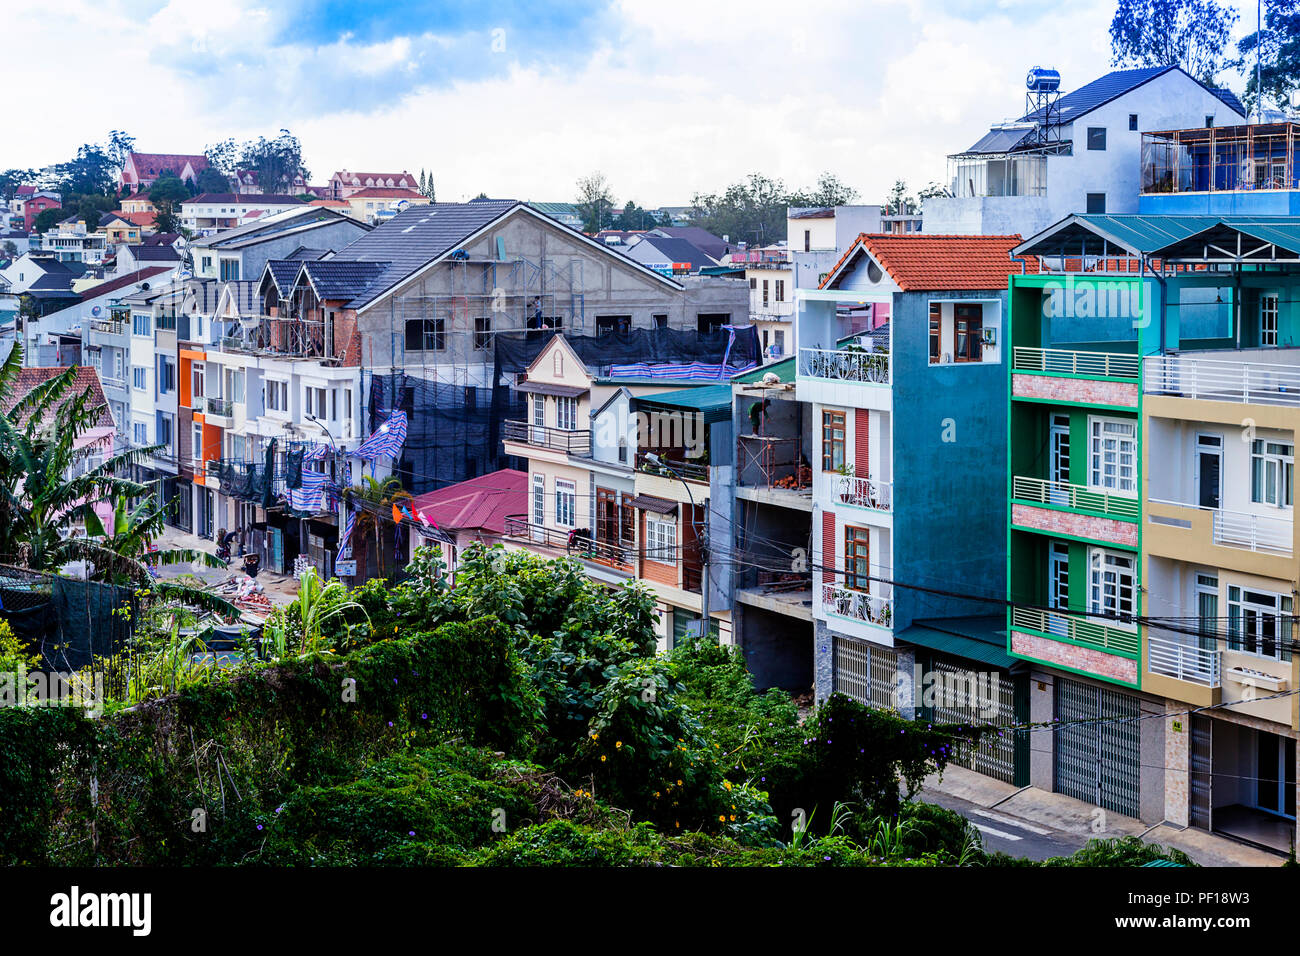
668	98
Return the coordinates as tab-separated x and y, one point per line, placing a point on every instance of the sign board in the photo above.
345	569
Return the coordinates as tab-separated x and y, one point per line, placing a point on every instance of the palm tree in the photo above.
376	497
44	499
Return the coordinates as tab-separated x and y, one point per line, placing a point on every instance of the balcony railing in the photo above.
1244	530
544	436
690	470
1116	640
621	555
216	406
857	605
1078	497
1186	662
1218	380
865	492
845	365
1068	362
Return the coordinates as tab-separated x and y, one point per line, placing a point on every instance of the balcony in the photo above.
865	492
563	440
861	606
1062	494
217	407
1077	630
1224	380
1245	531
620	556
845	365
1169	657
1067	362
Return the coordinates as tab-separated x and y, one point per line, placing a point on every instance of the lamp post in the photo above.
658	462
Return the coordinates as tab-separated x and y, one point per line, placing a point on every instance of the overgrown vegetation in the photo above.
521	718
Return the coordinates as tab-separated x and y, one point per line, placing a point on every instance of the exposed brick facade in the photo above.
1077	525
1073	656
1059	388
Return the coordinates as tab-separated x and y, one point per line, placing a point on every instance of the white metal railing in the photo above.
1252	532
1221	380
1066	495
845	365
1078	629
1186	662
1068	362
857	605
1241	529
866	492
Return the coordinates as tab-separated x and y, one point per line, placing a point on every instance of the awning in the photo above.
660	506
546	388
982	639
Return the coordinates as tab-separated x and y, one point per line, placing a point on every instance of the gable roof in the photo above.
85	377
478	504
142	252
151	164
386	192
341	279
349	178
712	246
245	199
919	262
121	282
1117	83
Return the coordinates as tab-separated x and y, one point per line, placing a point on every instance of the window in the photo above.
807	240
1209	121
661	540
613	323
196	449
936	323
483	333
706	322
1112	455
753	283
207	263
1096	137
229	270
765	293
277	395
138	377
857	563
780	290
566	413
566	502
1096	204
196	381
832	441
1132	121
315	401
165	430
778	341
539	499
1272	470
235	384
1268	318
139	323
426	335
969	324
1111	587
1260	623
1207	610
661	321
140	433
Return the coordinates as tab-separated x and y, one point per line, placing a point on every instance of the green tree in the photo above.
91	171
119	147
223	156
376	497
829	191
211	180
595	201
899	202
1270	57
8	250
11	179
46	219
1192	34
277	162
167	194
752	211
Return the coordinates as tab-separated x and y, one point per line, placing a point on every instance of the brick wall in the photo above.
1061	389
1073	656
657	571
1080	526
347	338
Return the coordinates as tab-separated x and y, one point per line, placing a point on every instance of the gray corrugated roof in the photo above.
671	250
273	225
342	279
417	236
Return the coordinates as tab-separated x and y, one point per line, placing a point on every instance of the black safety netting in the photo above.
454	431
69	623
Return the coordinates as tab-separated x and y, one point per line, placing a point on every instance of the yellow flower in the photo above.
602	758
618	743
722	819
727	784
679	783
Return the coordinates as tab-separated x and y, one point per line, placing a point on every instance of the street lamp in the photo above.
658	462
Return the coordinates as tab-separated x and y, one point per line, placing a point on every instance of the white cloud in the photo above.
682	97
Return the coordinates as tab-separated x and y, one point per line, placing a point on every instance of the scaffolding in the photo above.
1220	159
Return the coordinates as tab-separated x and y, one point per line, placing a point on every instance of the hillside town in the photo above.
1006	462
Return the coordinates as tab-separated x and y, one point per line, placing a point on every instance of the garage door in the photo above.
866	672
996	754
1097	760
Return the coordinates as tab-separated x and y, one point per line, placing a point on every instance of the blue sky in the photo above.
520	99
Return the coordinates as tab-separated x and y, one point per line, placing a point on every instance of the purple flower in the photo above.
259	826
424	716
410	833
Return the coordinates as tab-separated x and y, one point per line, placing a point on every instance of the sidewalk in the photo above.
1080	819
280	588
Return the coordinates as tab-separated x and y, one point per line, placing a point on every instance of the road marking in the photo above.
1019	824
989	831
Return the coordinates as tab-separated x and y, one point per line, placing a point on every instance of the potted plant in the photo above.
846	473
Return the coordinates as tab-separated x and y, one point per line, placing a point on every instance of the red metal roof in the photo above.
385	192
919	262
478	504
86	377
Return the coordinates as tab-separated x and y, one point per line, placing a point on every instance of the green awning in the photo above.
784	370
982	639
711	401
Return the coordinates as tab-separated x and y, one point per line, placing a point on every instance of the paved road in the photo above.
1001	830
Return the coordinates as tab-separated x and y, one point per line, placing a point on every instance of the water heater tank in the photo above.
1042	80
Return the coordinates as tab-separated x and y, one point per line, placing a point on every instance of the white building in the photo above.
1074	153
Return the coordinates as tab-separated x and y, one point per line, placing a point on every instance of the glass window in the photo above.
566	502
936	325
857	563
832	441
1111	586
1268	318
1112	455
969	326
566	413
1260	623
661	539
1096	137
1272	472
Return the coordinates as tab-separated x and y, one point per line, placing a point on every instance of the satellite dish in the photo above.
403	203
95	310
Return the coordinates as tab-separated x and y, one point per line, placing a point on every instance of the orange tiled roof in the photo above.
386	192
920	262
86	377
